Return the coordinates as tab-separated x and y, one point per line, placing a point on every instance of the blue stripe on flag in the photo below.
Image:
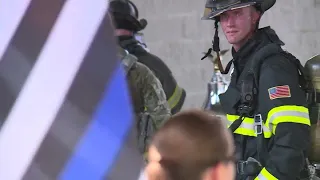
99	146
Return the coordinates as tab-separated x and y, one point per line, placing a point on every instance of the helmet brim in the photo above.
210	15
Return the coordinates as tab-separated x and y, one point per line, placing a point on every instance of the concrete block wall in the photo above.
177	35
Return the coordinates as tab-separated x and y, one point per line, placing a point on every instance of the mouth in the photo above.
231	32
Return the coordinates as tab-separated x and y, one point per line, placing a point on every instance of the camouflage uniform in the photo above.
149	99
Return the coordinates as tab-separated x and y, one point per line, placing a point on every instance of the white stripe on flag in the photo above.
47	85
11	13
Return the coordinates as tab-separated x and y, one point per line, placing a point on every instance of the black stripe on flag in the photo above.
80	104
24	49
128	160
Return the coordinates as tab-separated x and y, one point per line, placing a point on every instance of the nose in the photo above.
227	19
230	21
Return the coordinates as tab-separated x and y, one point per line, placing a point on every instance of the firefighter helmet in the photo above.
125	15
214	8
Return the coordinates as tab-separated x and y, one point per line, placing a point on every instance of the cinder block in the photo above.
194	78
180	53
304	4
306	19
164	29
146	8
194	28
310	43
194	100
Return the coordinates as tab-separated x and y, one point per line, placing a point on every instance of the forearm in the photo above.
287	156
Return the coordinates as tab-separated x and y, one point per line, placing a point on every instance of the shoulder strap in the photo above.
259	58
250	77
272	49
131	45
127	43
127	60
301	70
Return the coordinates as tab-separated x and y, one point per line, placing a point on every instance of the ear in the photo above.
210	174
255	16
154	171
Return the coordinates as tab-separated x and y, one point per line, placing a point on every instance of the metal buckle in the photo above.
258	128
240	167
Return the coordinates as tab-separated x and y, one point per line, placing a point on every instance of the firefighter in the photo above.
265	102
125	15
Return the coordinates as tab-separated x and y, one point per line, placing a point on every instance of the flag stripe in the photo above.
16	9
100	145
47	85
128	158
80	104
25	46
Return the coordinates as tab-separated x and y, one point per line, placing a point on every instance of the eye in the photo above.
224	16
238	13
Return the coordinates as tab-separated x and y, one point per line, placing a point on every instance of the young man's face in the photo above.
238	25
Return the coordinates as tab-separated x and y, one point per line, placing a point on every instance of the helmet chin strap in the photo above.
216	48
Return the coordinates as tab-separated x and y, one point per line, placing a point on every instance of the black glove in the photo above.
252	167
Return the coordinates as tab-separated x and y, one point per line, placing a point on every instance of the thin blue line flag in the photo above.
65	110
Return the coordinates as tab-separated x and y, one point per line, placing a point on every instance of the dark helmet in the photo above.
214	8
125	15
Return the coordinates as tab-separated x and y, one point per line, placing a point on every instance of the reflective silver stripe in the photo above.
261	177
250	126
288	113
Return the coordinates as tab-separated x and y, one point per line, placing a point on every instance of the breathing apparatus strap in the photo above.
247	101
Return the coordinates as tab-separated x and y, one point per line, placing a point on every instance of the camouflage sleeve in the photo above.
154	97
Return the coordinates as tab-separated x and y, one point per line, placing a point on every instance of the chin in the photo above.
232	41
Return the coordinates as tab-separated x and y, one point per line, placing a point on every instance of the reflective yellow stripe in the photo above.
247	126
265	175
174	99
293	114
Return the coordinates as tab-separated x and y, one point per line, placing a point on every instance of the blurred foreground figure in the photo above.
149	100
125	15
192	145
